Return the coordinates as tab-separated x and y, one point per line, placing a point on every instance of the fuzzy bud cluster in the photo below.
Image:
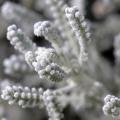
52	106
43	63
78	23
42	28
47	29
31	97
80	29
23	96
19	40
111	106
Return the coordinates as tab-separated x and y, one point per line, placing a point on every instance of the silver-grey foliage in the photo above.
71	71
